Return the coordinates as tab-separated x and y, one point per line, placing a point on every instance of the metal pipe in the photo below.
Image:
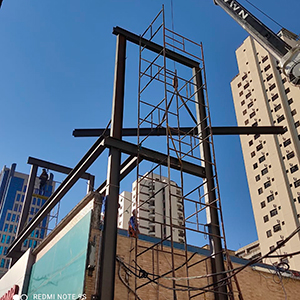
217	261
109	239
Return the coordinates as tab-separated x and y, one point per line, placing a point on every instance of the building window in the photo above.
250	104
239	84
290	155
264	171
259	147
281	118
261	159
257	177
247	122
297	124
260	191
293	112
267	184
270	198
274	97
269	233
272	87
252	153
2	263
273	212
287	142
254	124
244	77
265	58
290	101
244	111
248	95
287	90
269	77
294	168
257	136
255	166
284	80
276	227
246	85
267	68
252	114
250	143
263	204
277	107
297	183
241	93
3	238
266	218
242	102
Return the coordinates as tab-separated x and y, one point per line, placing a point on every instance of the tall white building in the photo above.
125	203
150	198
264	97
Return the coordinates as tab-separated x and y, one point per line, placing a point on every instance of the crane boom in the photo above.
288	57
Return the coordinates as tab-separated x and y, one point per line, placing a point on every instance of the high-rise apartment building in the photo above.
12	192
151	198
264	97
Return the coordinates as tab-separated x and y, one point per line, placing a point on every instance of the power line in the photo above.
264	13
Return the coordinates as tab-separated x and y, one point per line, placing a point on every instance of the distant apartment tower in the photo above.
125	210
150	197
12	192
251	251
264	97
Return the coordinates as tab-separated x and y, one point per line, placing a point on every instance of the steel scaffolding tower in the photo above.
172	96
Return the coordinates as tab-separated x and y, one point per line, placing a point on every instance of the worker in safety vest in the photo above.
133	226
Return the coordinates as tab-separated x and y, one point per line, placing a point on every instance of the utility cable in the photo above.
123	281
266	15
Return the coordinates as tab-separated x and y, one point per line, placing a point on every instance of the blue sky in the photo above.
57	69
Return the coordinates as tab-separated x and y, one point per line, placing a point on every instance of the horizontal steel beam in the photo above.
58	194
232	130
54	167
131	37
154	156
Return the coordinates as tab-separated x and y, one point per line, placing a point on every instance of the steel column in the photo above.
27	201
217	261
109	239
91	183
28	197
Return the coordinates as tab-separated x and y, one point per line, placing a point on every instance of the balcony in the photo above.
181	233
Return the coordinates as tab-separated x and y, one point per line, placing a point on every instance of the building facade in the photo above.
264	97
12	192
152	197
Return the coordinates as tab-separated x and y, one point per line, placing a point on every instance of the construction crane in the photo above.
288	57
